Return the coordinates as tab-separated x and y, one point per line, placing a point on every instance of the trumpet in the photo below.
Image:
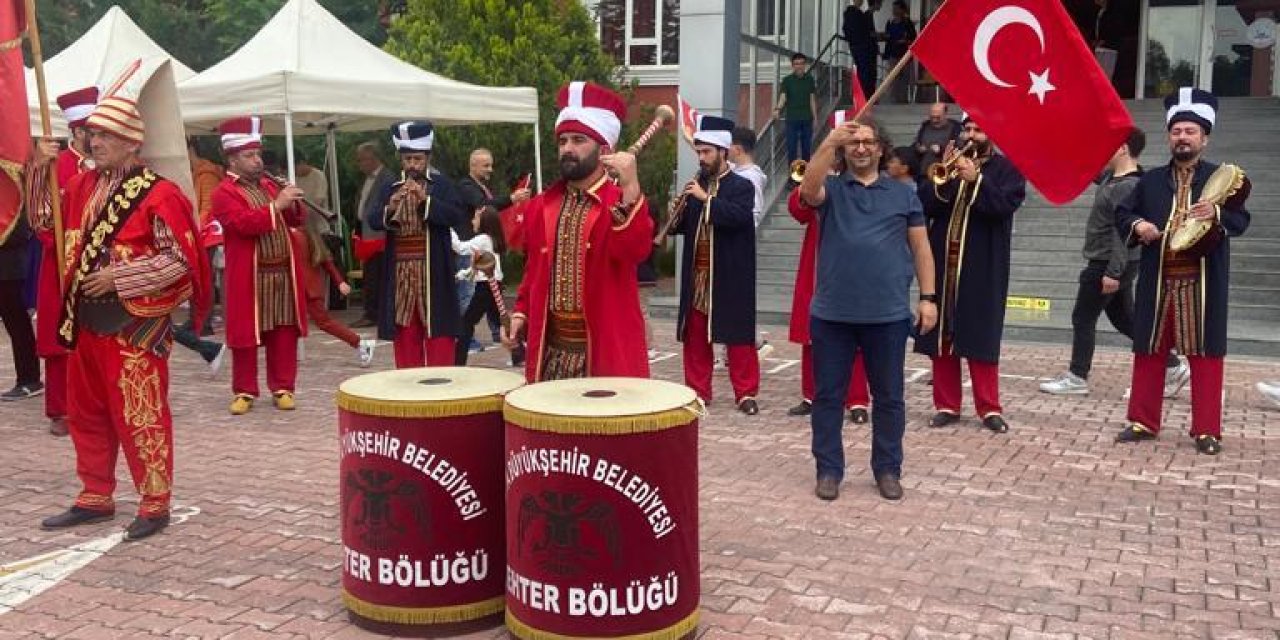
945	171
797	171
280	180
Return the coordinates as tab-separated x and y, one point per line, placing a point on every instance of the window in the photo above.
768	23
640	32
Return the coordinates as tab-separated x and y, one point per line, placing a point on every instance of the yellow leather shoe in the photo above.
241	404
284	400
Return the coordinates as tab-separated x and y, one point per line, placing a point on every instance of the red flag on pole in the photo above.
688	119
1027	78
859	96
15	132
513	217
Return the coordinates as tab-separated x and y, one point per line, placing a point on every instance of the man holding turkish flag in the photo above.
1021	70
15	138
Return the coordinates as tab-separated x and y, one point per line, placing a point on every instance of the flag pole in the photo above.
880	90
46	123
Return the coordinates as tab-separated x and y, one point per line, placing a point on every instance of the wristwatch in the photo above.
929	297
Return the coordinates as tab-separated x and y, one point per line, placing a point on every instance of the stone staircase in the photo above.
1048	238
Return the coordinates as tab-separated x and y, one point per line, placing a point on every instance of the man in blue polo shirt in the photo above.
871	235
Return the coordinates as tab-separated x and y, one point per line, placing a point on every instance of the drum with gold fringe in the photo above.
602	509
421	497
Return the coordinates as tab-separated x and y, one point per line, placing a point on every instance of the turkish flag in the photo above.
513	217
1024	74
688	119
15	134
859	96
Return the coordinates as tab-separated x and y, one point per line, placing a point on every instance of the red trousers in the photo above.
120	400
319	315
947	394
414	349
1146	393
55	386
281	345
859	396
699	359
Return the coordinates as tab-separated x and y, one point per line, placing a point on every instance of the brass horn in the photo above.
797	171
943	172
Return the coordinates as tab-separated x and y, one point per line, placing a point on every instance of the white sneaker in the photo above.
1175	378
1067	384
763	349
1270	391
364	352
215	365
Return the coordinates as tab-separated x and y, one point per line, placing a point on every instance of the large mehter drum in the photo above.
602	509
421	487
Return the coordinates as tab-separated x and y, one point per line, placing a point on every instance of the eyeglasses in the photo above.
870	144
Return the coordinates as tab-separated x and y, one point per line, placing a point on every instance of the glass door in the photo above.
1174	29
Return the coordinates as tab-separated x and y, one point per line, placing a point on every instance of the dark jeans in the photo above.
371	285
866	63
13	311
1091	303
799	139
184	335
482	303
884	352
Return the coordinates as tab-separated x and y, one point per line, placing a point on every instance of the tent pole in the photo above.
335	193
288	146
537	153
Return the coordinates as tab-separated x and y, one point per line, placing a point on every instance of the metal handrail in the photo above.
771	150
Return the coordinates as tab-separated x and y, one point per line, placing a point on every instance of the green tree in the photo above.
543	43
539	43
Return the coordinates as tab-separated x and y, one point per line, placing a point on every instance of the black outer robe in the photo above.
445	211
978	321
1152	200
733	261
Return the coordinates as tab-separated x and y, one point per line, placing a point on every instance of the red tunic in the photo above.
48	291
610	293
802	294
137	240
241	226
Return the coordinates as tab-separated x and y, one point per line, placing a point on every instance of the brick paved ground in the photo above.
1049	532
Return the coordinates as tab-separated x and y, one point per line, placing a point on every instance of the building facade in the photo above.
1150	47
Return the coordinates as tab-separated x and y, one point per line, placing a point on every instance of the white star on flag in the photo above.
1040	84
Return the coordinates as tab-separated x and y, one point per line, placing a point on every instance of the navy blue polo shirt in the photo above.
865	264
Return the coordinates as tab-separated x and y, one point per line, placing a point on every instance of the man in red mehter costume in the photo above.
136	257
76	107
264	279
859	397
579	298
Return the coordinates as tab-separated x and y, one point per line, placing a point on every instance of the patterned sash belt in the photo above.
567	330
408	247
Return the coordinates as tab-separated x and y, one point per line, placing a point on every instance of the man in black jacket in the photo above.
13	311
474	191
859	31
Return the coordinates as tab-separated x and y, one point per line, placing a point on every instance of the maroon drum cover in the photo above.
421	495
602	509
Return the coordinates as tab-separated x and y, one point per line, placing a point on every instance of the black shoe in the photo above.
828	488
749	407
1208	445
145	527
1135	433
75	516
23	391
890	488
996	424
859	415
943	418
803	409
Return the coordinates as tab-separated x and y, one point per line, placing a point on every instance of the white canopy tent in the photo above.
304	67
94	60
